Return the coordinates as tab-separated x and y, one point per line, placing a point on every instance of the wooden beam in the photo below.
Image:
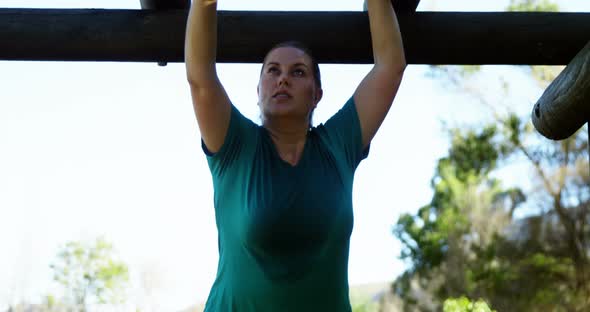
565	106
405	5
400	6
335	37
164	4
161	5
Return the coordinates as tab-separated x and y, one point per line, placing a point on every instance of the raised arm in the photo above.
210	101
376	92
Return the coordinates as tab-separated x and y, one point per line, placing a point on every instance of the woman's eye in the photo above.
273	70
299	72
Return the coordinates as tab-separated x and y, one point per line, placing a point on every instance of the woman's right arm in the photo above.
210	101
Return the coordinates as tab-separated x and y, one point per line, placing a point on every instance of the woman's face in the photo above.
287	87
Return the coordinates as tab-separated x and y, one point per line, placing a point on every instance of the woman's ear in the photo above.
258	94
318	96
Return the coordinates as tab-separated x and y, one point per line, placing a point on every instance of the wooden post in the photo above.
565	106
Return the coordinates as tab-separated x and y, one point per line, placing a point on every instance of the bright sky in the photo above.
112	149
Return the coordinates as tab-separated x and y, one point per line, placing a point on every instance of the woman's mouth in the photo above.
282	95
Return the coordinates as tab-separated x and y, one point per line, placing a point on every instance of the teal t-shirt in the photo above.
283	230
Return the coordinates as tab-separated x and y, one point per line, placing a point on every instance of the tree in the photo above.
363	306
90	273
467	211
463	304
467	241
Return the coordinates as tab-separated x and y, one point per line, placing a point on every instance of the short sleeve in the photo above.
343	131
241	134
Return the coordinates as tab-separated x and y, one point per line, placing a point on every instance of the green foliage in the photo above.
466	242
362	303
89	272
532	6
463	304
365	306
50	301
459	178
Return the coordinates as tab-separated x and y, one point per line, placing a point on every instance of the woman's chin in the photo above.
284	113
281	109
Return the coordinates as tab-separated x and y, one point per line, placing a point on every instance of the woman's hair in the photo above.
300	46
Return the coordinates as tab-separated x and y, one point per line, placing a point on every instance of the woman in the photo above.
283	190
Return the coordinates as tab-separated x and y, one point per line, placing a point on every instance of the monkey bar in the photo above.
335	37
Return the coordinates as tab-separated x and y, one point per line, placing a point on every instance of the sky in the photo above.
113	149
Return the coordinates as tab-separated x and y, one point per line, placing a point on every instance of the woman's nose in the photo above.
283	79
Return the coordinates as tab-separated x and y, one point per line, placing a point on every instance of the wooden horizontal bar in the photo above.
405	5
400	5
335	37
164	4
564	107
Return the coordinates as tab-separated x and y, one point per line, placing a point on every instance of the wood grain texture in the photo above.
564	107
164	4
335	37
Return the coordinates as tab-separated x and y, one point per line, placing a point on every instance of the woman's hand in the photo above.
210	101
375	94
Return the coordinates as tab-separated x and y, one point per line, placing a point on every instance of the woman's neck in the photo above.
289	139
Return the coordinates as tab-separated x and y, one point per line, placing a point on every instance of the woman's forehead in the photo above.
287	56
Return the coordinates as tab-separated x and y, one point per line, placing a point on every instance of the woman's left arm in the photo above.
376	92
